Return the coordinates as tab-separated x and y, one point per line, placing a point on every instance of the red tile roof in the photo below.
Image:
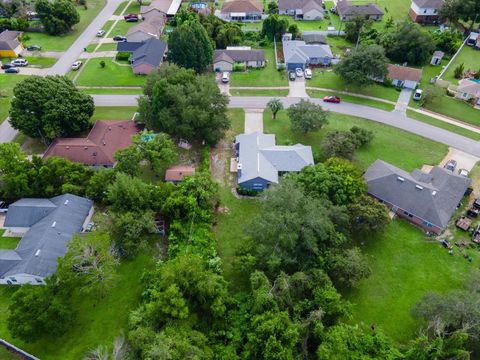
177	173
98	148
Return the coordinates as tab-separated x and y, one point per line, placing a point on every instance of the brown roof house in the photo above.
347	11
98	148
242	10
10	46
404	76
223	60
425	11
177	173
149	28
302	9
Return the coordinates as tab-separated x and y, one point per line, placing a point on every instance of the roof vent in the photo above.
68	147
94	154
66	202
37	253
104	143
86	147
399	178
54	223
419	187
434	193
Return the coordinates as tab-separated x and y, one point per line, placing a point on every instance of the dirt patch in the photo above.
464	160
220	162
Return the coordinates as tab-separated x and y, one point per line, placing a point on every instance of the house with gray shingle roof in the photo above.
299	54
302	9
47	225
348	11
261	162
10	46
223	60
427	200
149	56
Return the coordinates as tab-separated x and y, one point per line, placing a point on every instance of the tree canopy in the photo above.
306	116
274	26
58	16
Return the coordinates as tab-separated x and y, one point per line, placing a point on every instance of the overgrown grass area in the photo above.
30	146
470	60
113	113
7	243
7	83
112	91
61	43
267	76
353	99
387	144
259	92
329	80
405	266
112	74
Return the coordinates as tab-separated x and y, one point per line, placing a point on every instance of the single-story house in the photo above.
260	162
10	46
437	57
46	226
299	54
242	10
348	11
427	200
99	147
152	27
314	37
302	9
168	8
425	11
468	90
148	57
404	76
176	173
223	60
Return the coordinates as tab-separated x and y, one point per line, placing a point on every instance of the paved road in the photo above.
394	118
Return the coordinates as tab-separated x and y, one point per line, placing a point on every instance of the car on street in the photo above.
417	95
119	38
12	70
332	99
76	65
292	76
34	47
308	74
299	72
451	165
100	33
131	19
463	172
19	62
225	77
6	66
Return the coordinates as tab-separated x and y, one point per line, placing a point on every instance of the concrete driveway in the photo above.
403	99
297	88
464	160
253	120
224	87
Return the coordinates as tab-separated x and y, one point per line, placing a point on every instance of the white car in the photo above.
19	62
100	33
76	65
417	95
463	172
225	77
299	72
308	74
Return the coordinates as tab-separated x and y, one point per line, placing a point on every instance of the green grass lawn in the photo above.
429	72
267	76
61	43
35	61
7	243
108	47
456	109
260	92
470	59
390	144
353	99
338	44
111	75
113	113
120	8
405	265
122	27
7	83
330	80
118	91
7	355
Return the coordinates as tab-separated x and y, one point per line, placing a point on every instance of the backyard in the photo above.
470	60
113	74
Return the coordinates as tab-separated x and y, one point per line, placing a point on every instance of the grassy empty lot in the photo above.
7	83
111	75
470	60
61	43
113	113
353	99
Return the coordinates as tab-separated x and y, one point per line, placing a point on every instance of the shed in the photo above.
177	173
437	57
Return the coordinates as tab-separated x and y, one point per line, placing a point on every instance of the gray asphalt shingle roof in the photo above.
238	55
345	8
295	51
151	52
430	196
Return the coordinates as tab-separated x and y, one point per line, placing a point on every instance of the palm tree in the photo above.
275	106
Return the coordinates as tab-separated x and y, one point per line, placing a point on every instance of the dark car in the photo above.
12	70
292	76
34	48
451	165
119	38
7	66
131	19
130	16
332	99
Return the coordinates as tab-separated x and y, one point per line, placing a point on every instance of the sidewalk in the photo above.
447	119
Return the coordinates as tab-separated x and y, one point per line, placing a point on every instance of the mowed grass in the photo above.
267	76
108	47
112	74
112	91
456	109
330	80
35	61
405	266
390	144
113	113
470	59
7	355
7	243
259	92
352	99
121	27
7	83
61	43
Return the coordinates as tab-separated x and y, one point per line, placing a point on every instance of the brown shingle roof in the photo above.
177	173
8	40
404	73
242	6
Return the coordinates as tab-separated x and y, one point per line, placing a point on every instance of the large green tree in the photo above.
274	26
306	116
48	107
58	16
355	27
456	10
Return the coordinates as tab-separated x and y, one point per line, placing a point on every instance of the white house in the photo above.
425	11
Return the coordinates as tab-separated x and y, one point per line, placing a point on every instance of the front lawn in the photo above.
260	92
107	47
112	91
267	76
61	43
398	147
7	83
121	28
113	113
456	109
352	99
112	74
470	60
35	61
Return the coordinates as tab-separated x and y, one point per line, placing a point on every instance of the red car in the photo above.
130	16
332	99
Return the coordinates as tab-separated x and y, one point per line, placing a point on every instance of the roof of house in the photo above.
403	73
8	40
438	54
429	4
128	46
345	8
153	25
52	224
297	51
260	157
232	6
314	37
99	147
168	7
232	56
151	53
431	196
470	87
304	5
178	172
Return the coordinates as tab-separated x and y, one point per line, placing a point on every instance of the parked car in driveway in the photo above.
76	65
332	99
451	165
225	77
19	62
299	72
463	172
6	66
131	19
12	70
308	74
34	47
100	33
130	16
119	38
292	76
417	95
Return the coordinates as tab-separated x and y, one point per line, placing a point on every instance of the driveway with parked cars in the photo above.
297	87
462	159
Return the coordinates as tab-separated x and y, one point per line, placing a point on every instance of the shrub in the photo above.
247	192
205	160
122	56
458	71
102	64
238	67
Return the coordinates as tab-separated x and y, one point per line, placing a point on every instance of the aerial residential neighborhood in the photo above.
238	179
